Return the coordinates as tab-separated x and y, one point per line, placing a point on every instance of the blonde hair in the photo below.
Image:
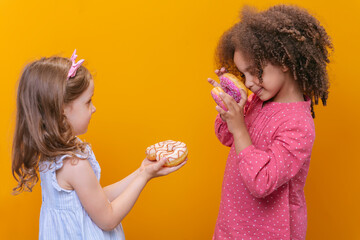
42	131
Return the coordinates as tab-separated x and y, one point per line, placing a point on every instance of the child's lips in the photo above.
257	92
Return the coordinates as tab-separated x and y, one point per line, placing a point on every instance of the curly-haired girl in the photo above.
281	54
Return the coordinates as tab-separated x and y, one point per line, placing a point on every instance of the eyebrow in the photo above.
248	68
90	97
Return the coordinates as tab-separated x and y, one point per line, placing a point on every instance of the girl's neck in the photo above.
290	92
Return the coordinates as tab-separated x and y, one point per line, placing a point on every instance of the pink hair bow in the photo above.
74	66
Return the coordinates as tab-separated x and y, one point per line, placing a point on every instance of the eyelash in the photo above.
252	72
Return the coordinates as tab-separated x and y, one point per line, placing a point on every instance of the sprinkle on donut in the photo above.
231	85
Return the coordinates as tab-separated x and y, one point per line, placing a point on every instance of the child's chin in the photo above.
81	133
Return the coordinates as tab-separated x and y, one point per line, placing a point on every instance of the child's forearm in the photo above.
122	204
114	190
241	140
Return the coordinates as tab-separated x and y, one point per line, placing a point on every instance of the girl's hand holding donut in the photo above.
234	116
218	72
229	85
217	85
152	169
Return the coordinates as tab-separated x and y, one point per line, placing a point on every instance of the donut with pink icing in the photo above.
175	152
215	93
231	85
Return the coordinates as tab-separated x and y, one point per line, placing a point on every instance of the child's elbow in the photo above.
260	192
109	226
225	139
261	186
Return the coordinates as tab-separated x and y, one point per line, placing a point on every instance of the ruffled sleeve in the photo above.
56	166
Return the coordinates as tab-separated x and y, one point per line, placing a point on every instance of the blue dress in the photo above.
62	216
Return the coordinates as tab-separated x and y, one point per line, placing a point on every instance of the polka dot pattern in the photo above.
263	187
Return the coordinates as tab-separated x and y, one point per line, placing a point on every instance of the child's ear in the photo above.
67	109
284	68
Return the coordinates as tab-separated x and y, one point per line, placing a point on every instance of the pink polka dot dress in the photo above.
263	187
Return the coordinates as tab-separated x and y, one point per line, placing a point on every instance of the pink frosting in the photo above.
230	88
219	101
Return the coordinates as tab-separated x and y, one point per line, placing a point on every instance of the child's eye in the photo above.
253	72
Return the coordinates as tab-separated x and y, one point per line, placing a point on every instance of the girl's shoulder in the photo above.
287	109
57	162
62	166
293	117
279	114
53	164
79	159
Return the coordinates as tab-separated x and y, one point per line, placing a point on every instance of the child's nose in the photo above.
248	82
93	109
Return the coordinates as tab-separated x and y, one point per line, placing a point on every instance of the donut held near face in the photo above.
175	151
231	85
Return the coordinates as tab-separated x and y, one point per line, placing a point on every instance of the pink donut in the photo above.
232	85
215	94
229	84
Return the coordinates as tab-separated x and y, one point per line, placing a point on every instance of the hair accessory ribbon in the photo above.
74	66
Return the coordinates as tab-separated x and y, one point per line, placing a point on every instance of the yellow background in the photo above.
151	60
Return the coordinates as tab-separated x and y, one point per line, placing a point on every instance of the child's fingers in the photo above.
167	170
217	72
223	70
160	164
213	82
228	100
220	72
221	111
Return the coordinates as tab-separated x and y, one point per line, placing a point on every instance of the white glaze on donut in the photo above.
172	150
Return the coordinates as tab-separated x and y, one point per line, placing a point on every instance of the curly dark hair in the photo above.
283	35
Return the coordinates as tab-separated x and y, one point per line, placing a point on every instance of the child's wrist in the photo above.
144	175
239	133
